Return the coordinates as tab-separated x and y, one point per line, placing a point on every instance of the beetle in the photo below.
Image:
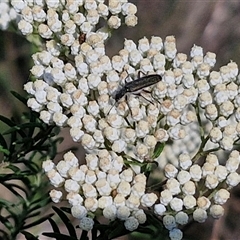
137	84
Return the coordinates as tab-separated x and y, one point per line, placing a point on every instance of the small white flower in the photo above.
55	195
148	199
105	201
114	22
86	223
175	234
110	212
25	27
55	178
74	198
91	204
71	186
189	201
124	188
89	191
221	196
169	222
123	212
203	202
176	204
173	186
170	171
200	215
131	223
159	209
189	188
181	218
233	179
195	172
183	176
48	165
216	211
78	211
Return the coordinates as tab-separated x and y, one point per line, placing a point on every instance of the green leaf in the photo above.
67	222
33	167
7	121
41	200
19	97
54	226
29	236
3	143
118	231
59	236
5	222
37	222
4	150
14	168
158	150
12	186
16	129
3	234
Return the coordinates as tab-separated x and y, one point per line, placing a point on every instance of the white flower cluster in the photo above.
100	185
64	20
183	196
7	14
189	96
193	109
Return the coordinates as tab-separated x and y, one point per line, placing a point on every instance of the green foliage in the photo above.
23	146
152	229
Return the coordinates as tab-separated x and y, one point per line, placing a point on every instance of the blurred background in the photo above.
212	24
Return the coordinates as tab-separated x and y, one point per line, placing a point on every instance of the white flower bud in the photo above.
103	187
133	202
195	172
114	22
169	222
148	199
74	198
183	176
233	179
176	204
71	186
91	204
105	201
185	161
215	134
170	171
89	190
189	188
55	178
189	201
181	218
124	188
55	195
173	186
211	181
140	216
123	212
110	212
48	165
216	211
221	172
159	209
200	215
221	196
86	223
175	234
131	223
78	211
203	202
